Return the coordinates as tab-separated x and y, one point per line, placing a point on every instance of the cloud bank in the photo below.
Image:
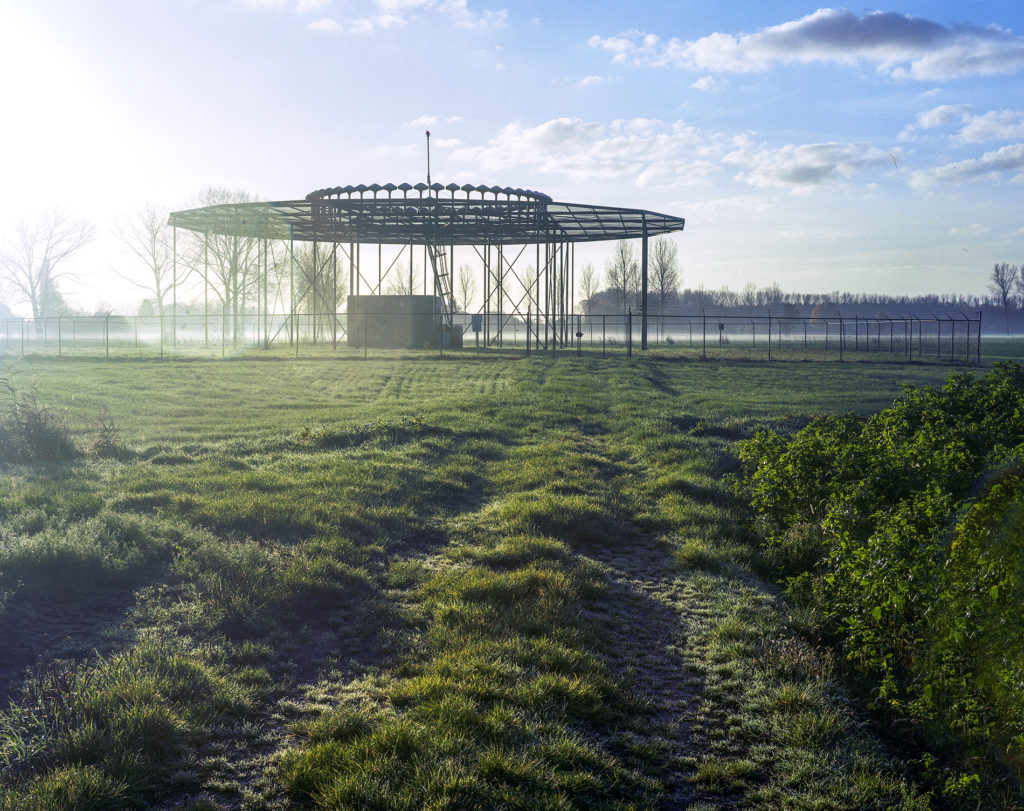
898	45
1008	160
669	153
370	16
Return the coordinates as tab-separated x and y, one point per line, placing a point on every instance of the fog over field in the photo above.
817	148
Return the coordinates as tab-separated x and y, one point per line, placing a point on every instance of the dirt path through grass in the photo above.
645	637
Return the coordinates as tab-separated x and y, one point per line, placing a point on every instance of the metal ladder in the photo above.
442	282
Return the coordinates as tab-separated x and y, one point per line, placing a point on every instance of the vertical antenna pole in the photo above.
428	160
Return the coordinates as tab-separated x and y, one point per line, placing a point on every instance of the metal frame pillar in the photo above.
643	289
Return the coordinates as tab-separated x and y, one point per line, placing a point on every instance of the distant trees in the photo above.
402	284
319	287
147	235
227	263
465	288
589	285
33	261
527	278
622	275
1003	283
664	271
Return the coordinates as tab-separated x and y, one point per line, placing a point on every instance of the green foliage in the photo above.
879	528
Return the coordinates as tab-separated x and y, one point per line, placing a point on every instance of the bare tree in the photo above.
664	271
399	284
320	286
527	278
227	264
1001	285
623	274
33	262
465	288
589	285
147	235
1019	287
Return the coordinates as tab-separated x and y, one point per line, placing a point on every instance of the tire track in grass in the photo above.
645	638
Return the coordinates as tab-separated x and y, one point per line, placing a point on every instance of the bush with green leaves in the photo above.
901	535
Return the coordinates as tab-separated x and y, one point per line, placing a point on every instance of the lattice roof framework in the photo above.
418	214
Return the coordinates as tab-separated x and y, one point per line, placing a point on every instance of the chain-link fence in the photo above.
702	335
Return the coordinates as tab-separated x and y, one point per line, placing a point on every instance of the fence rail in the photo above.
912	337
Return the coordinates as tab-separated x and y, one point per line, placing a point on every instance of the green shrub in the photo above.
879	528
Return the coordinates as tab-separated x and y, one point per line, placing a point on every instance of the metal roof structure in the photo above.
419	214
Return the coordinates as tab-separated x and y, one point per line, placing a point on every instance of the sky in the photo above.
817	148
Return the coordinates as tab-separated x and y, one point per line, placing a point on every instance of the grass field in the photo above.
418	583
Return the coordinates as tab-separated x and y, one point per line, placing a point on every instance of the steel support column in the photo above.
643	288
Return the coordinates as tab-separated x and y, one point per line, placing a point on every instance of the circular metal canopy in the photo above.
421	214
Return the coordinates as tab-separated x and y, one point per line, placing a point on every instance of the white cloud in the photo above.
802	167
261	4
975	229
943	114
994	165
707	83
590	81
423	121
641	150
463	17
369	16
326	24
898	45
936	117
995	125
433	120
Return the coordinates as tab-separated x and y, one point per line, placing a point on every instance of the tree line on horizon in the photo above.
621	291
219	275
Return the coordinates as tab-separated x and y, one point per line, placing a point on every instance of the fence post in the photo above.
769	335
979	337
106	333
704	329
842	337
527	332
604	335
60	335
629	332
23	337
161	335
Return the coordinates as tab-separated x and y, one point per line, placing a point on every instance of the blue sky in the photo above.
859	149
